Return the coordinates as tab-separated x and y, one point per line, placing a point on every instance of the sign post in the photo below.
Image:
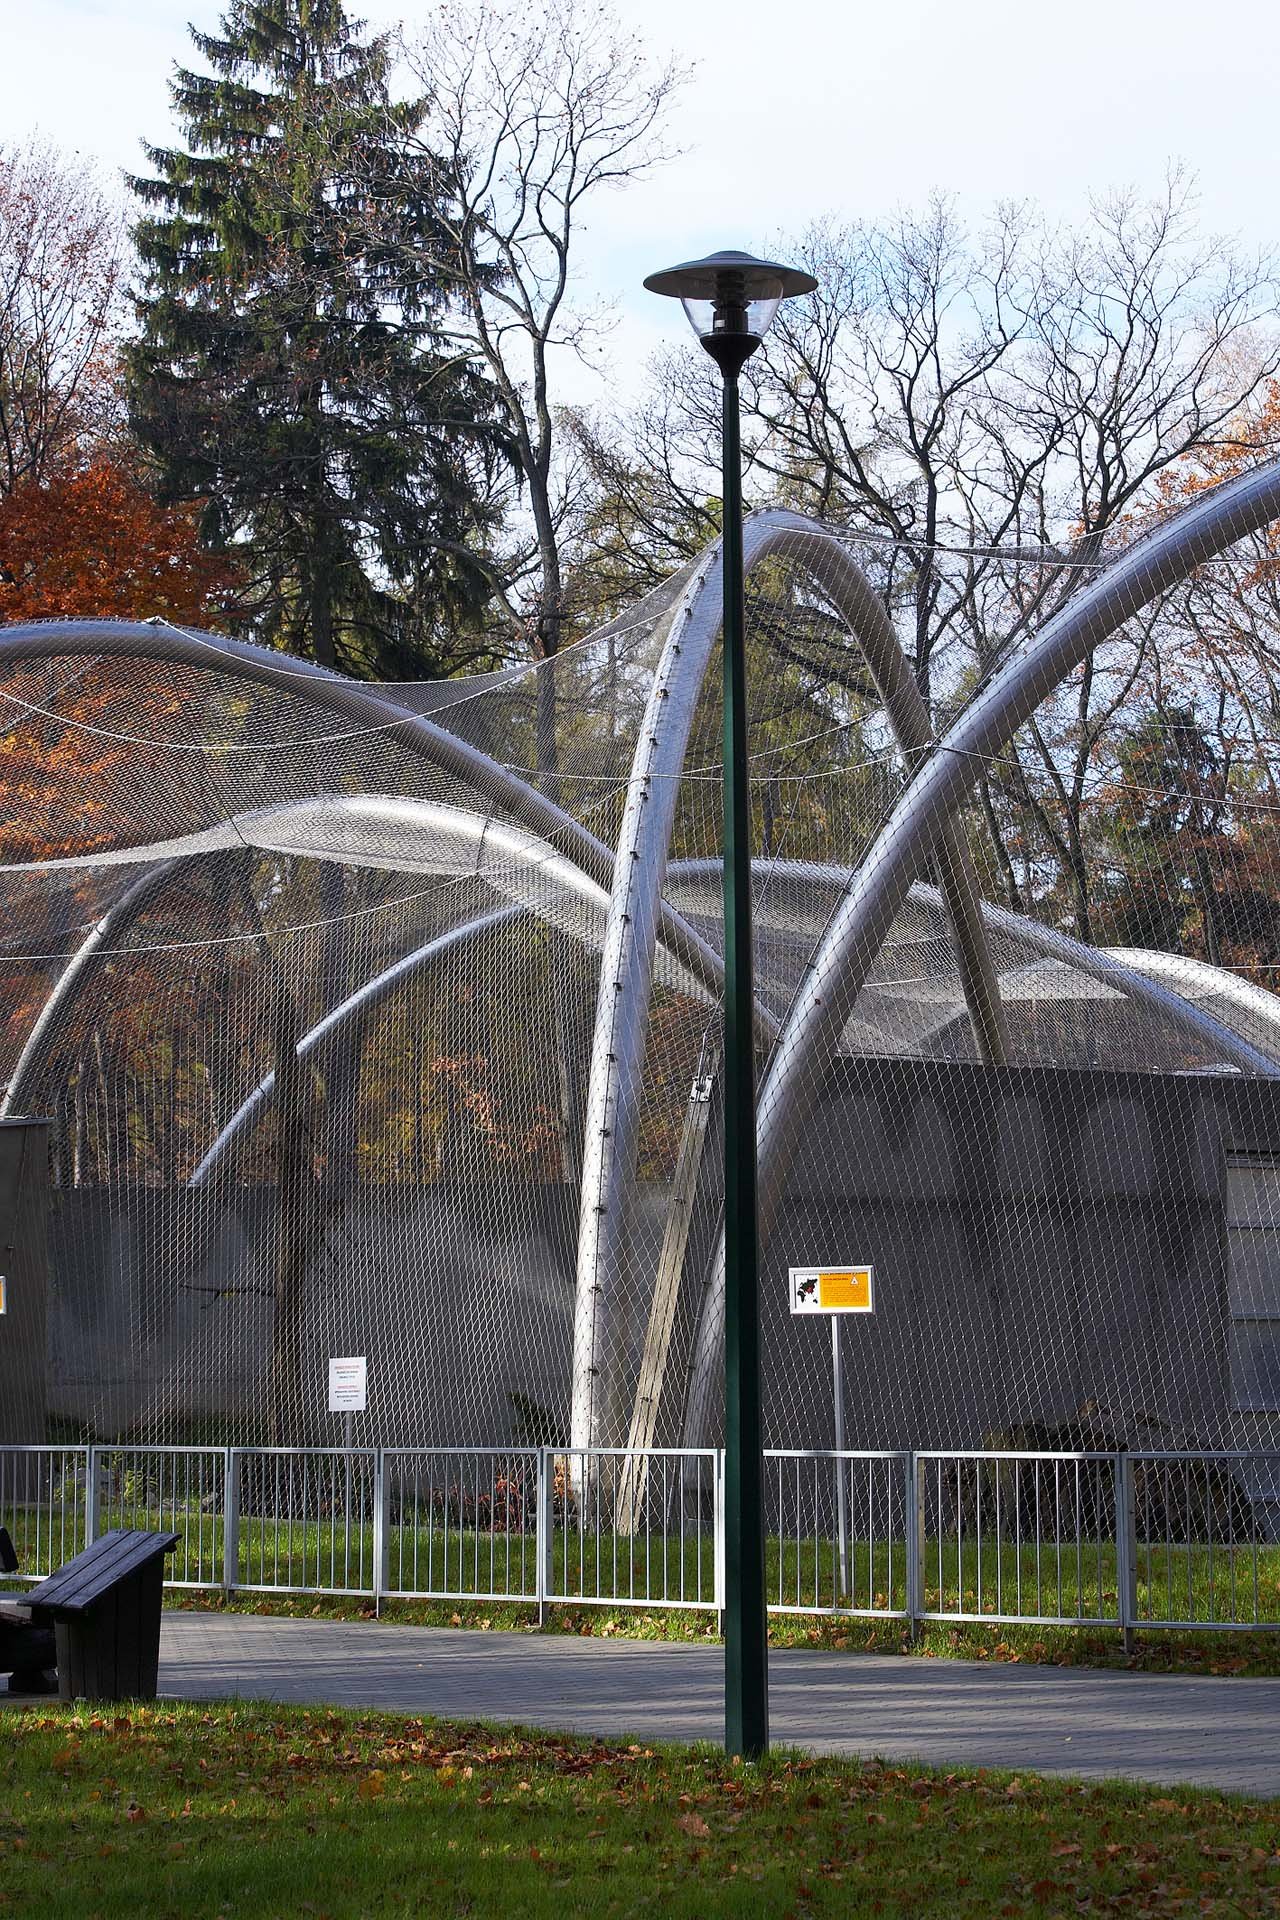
348	1395
835	1291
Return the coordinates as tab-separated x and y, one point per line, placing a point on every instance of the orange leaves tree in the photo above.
90	542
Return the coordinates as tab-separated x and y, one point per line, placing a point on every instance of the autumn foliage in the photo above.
90	542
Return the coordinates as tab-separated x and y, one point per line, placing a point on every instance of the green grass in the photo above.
976	1575
237	1811
303	1559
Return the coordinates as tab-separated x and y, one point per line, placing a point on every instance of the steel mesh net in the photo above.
397	1033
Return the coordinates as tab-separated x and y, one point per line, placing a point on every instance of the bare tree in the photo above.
989	414
653	477
63	260
535	113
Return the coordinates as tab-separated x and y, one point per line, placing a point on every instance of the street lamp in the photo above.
731	300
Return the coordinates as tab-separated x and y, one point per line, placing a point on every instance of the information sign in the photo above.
832	1290
348	1385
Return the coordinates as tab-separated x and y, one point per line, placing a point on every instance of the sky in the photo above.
794	109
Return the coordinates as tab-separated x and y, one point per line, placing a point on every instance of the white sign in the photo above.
348	1385
832	1290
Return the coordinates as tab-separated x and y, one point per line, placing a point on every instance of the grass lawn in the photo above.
982	1574
245	1810
301	1559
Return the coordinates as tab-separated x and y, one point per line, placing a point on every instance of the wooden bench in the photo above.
105	1608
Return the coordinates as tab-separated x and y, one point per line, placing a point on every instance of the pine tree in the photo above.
288	375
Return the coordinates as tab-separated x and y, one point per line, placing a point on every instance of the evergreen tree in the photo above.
289	375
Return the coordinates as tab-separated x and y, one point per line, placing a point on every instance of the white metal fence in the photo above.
1114	1540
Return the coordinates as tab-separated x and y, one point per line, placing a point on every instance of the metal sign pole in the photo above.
836	1291
746	1627
842	1515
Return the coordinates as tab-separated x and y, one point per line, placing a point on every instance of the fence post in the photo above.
915	1546
544	1536
92	1498
717	1532
1126	1549
231	1520
380	1531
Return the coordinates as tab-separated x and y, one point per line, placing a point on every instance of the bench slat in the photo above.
88	1575
83	1581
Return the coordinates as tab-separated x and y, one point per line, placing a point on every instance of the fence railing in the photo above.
461	1522
838	1532
1019	1537
1120	1540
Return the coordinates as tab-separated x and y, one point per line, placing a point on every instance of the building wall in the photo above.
1048	1246
24	1155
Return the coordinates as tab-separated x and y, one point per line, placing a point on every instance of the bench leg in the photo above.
113	1651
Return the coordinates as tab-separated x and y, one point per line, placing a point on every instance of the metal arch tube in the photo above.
1212	982
531	868
366	707
118	917
1113	968
1138	974
626	973
843	580
877	889
354	1007
1125	971
357	1004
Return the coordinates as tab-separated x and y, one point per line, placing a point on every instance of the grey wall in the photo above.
1048	1248
24	1160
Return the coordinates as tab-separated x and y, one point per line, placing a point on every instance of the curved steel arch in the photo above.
158	641
1107	967
880	884
1212	982
626	972
1123	969
118	917
510	859
354	1007
130	639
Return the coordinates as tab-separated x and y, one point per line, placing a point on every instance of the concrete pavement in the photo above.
1207	1732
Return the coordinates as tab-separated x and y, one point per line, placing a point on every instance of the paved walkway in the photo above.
1165	1728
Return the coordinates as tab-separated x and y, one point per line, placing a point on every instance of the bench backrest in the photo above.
91	1575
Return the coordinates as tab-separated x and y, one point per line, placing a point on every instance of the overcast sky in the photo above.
797	108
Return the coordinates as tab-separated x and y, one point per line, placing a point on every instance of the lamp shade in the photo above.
731	293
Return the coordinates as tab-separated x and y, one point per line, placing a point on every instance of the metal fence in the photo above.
180	1490
304	1519
837	1532
1019	1537
46	1503
1114	1540
461	1522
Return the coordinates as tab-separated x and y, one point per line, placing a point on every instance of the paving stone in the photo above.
1167	1728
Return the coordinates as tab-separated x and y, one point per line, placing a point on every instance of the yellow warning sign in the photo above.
832	1290
851	1290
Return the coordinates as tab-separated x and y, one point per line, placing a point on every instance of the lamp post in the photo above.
731	299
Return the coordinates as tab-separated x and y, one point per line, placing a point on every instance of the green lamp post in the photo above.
731	299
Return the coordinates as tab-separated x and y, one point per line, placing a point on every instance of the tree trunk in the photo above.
299	1222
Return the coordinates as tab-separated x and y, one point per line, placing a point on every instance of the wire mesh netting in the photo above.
387	1021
